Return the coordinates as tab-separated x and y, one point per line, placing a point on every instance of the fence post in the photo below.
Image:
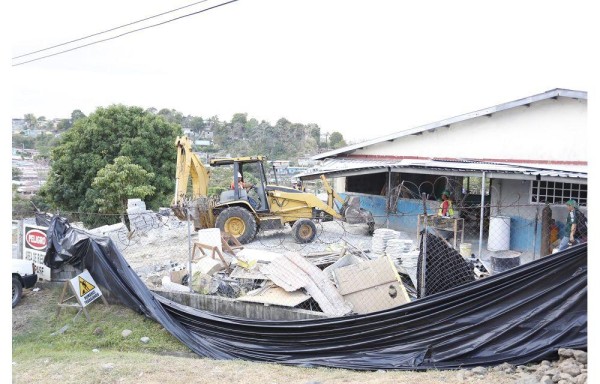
546	246
20	238
189	217
424	238
482	213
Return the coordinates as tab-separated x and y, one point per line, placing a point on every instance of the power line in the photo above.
123	34
108	30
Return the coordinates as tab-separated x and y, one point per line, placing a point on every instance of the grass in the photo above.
40	354
41	332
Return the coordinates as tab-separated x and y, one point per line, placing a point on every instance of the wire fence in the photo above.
413	253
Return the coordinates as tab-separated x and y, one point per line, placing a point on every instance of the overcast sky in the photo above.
363	68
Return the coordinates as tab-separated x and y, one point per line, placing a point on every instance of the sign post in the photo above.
84	289
35	243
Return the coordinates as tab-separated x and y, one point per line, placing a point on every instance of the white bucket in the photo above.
465	250
499	235
211	237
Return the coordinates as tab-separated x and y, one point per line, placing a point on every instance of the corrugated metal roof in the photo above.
351	167
558	92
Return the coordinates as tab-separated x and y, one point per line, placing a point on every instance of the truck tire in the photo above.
17	291
238	222
304	231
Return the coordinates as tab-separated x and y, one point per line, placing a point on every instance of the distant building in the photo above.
18	125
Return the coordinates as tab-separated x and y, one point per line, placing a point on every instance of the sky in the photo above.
362	68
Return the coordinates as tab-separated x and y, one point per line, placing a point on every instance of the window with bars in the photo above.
554	192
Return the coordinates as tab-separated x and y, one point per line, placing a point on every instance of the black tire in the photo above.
17	291
304	231
238	222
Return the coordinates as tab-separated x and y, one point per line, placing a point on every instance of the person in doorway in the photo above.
575	227
446	209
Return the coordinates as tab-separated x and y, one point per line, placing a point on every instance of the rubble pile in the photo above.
570	368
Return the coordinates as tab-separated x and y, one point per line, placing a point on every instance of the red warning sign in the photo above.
36	239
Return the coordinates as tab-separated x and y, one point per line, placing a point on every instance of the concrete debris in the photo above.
126	333
145	340
271	294
207	266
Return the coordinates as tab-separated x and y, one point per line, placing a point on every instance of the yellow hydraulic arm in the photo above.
331	194
188	164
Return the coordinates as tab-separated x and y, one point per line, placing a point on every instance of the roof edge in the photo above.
553	93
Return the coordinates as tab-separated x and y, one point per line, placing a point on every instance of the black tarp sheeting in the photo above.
519	316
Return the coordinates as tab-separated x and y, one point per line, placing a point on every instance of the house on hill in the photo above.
506	167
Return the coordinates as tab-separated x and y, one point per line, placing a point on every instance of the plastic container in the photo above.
499	235
210	236
465	250
505	261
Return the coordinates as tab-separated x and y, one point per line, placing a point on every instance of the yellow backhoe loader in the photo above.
242	212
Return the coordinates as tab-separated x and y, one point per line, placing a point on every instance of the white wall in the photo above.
554	130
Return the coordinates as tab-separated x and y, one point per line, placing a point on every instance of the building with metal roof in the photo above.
508	160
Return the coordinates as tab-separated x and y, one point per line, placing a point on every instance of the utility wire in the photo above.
108	30
123	34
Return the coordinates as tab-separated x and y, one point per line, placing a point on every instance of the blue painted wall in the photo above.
522	229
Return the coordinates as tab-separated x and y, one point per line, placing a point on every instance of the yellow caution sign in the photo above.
85	286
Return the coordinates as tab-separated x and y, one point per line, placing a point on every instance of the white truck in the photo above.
23	276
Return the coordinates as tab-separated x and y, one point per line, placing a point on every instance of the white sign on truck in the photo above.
35	243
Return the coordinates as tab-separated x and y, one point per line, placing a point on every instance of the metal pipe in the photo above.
424	239
189	251
389	198
482	212
537	217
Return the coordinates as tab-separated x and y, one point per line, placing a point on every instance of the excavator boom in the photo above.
196	205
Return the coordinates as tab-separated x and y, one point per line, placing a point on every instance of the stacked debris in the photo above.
337	282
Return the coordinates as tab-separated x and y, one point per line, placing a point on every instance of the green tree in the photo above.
95	141
20	141
315	133
16	173
196	124
120	181
63	125
336	140
171	115
30	120
76	115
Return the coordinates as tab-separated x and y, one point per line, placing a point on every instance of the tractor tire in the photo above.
239	223
304	231
17	291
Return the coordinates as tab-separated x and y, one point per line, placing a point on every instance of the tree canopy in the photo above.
96	141
120	181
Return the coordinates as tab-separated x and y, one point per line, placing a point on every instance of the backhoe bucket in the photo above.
354	214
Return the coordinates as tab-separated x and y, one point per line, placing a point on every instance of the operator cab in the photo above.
247	172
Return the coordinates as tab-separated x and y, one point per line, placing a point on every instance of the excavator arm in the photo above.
350	208
189	166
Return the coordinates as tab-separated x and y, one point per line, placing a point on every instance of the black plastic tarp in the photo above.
519	316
